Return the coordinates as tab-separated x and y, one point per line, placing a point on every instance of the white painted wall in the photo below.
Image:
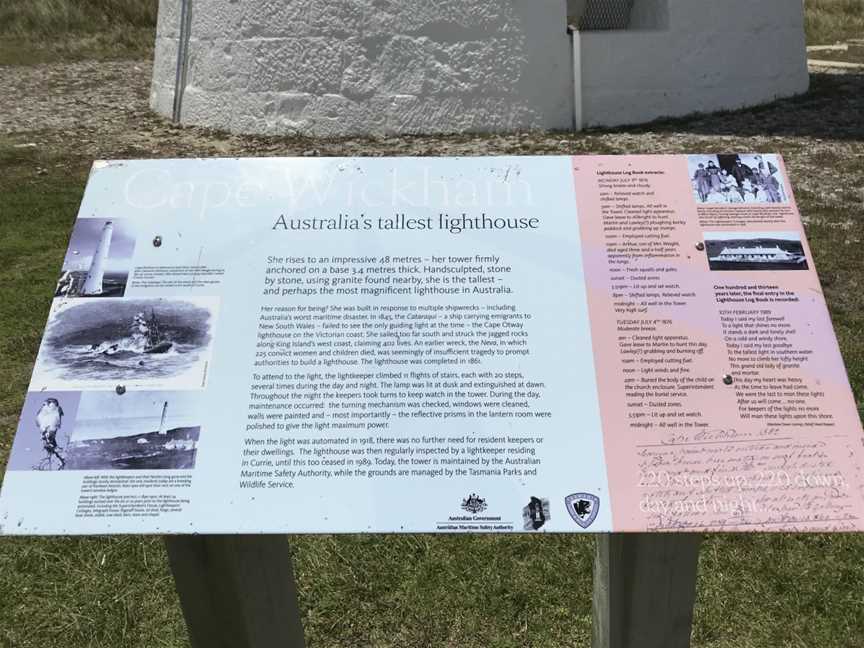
374	67
346	67
715	55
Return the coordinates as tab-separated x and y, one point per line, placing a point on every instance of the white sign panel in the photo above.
432	345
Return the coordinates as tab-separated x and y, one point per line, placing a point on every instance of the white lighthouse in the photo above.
321	68
93	281
162	429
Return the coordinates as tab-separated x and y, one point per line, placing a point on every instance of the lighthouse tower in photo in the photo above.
162	430
96	273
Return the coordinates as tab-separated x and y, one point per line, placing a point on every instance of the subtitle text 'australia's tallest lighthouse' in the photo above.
95	275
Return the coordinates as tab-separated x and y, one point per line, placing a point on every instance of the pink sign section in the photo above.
724	401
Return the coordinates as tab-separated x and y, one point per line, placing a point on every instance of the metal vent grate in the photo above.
605	14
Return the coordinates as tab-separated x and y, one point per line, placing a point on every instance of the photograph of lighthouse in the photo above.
98	258
155	343
146	430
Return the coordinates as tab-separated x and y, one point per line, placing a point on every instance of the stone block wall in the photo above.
326	68
347	67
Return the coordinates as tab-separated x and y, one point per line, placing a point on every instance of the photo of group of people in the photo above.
737	178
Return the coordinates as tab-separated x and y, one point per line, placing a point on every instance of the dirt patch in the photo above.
850	54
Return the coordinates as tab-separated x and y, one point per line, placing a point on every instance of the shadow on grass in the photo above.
831	109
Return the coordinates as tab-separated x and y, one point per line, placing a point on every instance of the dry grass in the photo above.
36	31
46	18
832	21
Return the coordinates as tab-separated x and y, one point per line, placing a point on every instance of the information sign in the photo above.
506	344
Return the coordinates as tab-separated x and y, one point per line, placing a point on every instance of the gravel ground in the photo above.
99	110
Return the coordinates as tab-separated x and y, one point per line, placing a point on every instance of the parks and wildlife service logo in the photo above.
474	504
583	508
536	514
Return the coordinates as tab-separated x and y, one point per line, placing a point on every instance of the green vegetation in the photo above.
47	18
832	21
36	31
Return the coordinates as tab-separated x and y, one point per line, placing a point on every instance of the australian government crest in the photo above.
474	504
473	519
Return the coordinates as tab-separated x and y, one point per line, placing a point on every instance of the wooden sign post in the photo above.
237	591
644	589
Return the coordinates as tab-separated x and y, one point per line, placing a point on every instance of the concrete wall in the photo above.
345	67
712	56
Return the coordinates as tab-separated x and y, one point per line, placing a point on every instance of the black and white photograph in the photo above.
104	430
755	251
135	431
44	429
127	342
98	259
737	179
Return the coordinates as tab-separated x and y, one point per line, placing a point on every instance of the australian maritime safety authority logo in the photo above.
536	514
583	508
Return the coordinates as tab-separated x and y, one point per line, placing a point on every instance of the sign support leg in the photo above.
644	589
237	591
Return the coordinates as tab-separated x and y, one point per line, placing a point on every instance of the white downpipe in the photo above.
576	51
